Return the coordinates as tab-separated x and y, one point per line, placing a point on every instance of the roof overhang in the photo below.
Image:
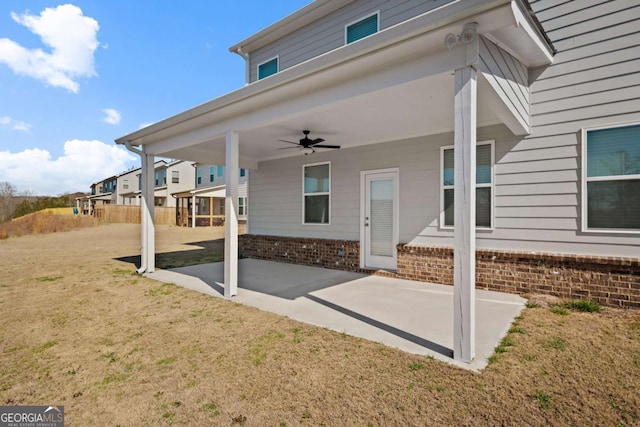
216	191
404	70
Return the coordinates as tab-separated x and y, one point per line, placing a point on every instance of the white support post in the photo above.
231	173
148	212
193	211
464	252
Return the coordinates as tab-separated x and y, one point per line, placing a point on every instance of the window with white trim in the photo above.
361	28
316	190
212	173
611	178
268	68
484	186
243	206
175	177
198	176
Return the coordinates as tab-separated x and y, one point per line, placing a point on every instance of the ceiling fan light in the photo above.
307	150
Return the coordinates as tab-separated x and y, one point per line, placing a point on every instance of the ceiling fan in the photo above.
308	145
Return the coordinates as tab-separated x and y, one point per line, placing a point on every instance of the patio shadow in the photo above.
430	345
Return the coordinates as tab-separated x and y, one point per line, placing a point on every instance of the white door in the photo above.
379	231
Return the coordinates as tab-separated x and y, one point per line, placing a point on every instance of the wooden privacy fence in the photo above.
131	214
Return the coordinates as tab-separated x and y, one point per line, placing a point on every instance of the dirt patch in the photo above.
78	328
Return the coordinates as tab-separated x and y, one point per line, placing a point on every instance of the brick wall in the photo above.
336	254
611	281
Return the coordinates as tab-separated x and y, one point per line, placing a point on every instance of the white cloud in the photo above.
71	37
15	124
112	116
82	164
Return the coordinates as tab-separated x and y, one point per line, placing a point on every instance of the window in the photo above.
316	193
198	176
157	179
611	178
267	68
212	173
125	184
362	28
243	172
484	186
243	206
221	171
175	177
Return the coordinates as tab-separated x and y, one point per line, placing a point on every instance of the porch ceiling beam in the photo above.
231	177
464	211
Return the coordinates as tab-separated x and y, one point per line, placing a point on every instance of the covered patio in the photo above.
415	317
454	69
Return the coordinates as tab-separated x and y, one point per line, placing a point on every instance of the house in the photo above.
483	143
203	205
102	193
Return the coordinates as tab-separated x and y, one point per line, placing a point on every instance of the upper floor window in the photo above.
316	189
221	171
484	186
362	28
198	176
212	173
268	68
611	179
243	172
175	177
125	184
157	178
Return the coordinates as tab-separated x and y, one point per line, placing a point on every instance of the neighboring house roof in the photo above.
214	191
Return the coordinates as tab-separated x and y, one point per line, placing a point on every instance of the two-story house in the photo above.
203	205
488	143
101	193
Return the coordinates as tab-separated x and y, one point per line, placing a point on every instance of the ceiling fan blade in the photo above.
316	141
290	142
287	148
326	146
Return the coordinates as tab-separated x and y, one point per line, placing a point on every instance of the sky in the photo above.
76	75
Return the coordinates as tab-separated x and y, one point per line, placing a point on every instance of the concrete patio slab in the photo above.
413	316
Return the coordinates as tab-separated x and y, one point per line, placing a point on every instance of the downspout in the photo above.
247	65
143	258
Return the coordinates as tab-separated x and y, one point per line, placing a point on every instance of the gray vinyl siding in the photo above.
507	76
327	33
594	81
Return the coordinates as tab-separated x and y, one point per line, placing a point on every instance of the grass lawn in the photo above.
79	329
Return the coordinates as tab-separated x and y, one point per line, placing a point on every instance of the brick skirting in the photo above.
336	254
611	281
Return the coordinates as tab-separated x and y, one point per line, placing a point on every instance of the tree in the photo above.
7	201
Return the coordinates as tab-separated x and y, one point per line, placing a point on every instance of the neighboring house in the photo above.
102	193
482	144
169	178
203	205
128	188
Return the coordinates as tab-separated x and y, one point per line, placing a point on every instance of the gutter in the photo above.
247	65
143	258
